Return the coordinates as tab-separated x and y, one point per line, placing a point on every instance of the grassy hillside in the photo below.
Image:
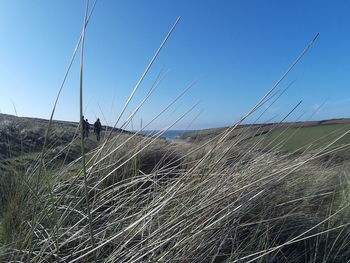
22	139
222	199
309	138
21	144
289	137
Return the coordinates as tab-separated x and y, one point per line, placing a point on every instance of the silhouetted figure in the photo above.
97	129
87	128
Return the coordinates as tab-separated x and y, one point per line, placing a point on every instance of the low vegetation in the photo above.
155	201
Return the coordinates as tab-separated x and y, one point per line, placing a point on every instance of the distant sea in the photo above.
171	135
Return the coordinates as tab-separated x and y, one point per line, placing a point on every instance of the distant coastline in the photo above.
171	135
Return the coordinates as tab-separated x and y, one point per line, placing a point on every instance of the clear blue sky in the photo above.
235	49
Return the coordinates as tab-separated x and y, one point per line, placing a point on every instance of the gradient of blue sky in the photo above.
236	50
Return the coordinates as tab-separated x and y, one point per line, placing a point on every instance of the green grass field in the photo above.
289	137
308	138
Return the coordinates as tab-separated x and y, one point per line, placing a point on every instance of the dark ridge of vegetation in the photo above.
21	138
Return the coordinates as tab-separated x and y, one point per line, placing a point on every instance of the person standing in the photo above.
87	128
97	129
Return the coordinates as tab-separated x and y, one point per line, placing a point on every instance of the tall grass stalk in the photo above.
41	158
82	128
